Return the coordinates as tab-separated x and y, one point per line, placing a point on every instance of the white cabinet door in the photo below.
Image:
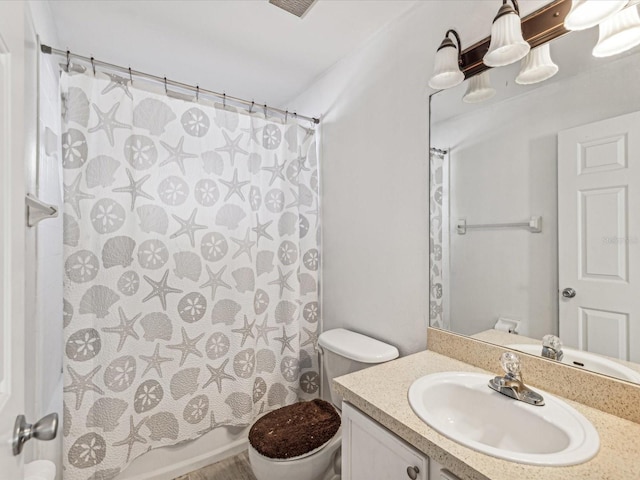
371	452
599	236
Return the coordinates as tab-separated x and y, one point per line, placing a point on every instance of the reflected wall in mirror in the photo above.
567	153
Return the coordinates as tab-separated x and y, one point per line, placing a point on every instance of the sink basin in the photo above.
462	407
588	361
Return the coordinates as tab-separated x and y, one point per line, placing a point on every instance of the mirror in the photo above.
535	210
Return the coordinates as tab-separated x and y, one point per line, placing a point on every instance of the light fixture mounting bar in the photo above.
539	27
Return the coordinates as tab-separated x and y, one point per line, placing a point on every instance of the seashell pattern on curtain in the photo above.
191	248
438	239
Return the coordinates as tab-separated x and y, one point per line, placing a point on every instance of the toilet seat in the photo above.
321	464
295	431
304	455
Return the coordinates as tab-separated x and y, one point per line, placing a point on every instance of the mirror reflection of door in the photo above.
599	236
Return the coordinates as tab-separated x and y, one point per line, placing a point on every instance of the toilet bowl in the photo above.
343	352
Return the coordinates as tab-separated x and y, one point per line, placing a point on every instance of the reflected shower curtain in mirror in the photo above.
438	238
191	269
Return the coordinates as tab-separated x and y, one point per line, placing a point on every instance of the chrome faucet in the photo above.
512	384
552	347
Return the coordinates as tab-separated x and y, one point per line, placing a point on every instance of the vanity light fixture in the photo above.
507	43
589	13
479	88
537	66
618	33
447	71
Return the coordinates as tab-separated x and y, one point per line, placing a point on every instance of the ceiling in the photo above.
246	48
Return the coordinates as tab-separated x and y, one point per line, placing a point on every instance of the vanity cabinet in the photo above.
371	452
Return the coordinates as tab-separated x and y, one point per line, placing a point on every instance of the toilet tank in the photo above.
346	352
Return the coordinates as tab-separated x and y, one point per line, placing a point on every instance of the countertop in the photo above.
381	393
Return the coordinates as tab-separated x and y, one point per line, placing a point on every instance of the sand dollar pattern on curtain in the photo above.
437	251
191	269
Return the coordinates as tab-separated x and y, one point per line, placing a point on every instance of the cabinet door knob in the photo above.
413	472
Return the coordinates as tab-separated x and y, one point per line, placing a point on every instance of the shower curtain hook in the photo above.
286	115
197	93
224	100
130	76
251	107
93	66
265	111
68	60
165	86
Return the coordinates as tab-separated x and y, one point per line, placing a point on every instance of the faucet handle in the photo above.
551	341
510	363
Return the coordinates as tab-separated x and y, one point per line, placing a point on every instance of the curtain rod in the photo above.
66	53
438	150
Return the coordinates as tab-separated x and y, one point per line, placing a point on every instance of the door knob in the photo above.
568	293
413	472
44	429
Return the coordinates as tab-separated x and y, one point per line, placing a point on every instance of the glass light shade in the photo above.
537	66
507	44
589	13
447	72
479	88
618	33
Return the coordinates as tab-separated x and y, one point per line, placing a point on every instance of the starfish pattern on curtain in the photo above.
191	248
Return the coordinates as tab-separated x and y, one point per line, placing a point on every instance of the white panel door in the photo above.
599	236
12	226
371	452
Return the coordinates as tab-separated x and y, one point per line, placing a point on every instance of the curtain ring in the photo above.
224	100
265	111
197	93
165	86
93	66
130	76
68	60
251	107
286	115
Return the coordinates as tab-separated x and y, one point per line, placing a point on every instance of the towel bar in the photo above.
534	225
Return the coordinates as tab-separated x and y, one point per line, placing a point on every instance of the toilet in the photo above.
344	352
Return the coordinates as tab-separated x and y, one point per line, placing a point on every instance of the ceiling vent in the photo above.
297	7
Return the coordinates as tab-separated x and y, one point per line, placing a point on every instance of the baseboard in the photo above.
194	463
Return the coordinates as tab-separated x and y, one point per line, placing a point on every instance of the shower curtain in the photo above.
438	238
191	269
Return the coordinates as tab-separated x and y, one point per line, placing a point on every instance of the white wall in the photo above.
374	151
374	144
374	186
503	167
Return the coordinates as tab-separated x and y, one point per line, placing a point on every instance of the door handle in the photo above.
568	292
44	429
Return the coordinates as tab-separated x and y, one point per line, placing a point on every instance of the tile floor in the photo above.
234	468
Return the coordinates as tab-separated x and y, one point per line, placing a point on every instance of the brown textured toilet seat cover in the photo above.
295	430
